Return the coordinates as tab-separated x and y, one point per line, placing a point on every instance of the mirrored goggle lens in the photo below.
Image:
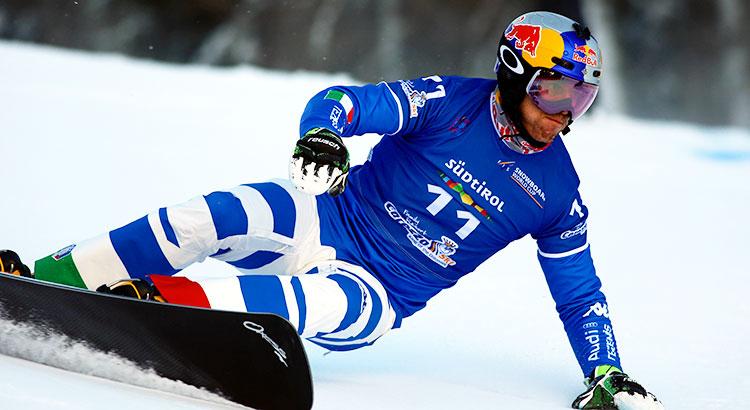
554	93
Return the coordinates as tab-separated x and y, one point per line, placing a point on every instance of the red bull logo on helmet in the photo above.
586	55
527	37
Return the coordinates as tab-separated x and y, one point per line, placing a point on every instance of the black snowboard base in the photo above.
254	359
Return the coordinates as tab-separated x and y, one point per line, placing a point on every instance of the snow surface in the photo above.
93	141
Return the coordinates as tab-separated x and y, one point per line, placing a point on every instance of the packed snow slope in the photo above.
91	142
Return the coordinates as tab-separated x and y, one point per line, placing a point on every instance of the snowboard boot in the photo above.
11	263
132	288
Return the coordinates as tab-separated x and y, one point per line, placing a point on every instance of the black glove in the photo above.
11	263
320	163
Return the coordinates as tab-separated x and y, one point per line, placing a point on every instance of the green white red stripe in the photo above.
344	99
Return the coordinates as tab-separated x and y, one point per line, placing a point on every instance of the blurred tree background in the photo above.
685	60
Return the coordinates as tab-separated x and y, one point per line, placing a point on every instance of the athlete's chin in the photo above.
546	136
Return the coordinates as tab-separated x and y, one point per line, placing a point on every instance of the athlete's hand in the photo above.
320	163
615	390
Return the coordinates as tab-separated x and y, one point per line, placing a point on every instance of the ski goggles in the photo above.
553	92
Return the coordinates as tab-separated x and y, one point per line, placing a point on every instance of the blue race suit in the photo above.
442	192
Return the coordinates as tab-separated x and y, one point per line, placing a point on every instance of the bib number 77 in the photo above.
442	201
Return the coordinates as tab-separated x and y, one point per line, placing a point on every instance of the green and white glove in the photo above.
608	388
320	163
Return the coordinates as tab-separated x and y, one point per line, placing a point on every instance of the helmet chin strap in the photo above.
531	140
566	130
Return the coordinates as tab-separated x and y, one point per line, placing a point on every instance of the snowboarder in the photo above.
465	167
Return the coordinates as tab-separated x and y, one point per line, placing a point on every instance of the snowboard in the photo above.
254	359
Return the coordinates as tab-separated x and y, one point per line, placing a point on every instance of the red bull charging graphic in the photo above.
527	37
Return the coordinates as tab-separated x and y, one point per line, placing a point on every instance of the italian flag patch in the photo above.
344	99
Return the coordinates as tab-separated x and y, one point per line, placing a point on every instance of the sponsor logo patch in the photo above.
472	183
416	99
63	252
459	125
579	229
585	54
438	251
528	185
599	309
335	117
280	353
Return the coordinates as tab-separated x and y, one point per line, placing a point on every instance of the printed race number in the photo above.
441	201
440	93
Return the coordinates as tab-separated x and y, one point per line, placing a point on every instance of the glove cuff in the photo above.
322	131
603	369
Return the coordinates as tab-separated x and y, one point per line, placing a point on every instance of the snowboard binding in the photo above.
11	263
132	288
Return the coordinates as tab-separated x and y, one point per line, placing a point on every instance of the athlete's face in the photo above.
542	126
